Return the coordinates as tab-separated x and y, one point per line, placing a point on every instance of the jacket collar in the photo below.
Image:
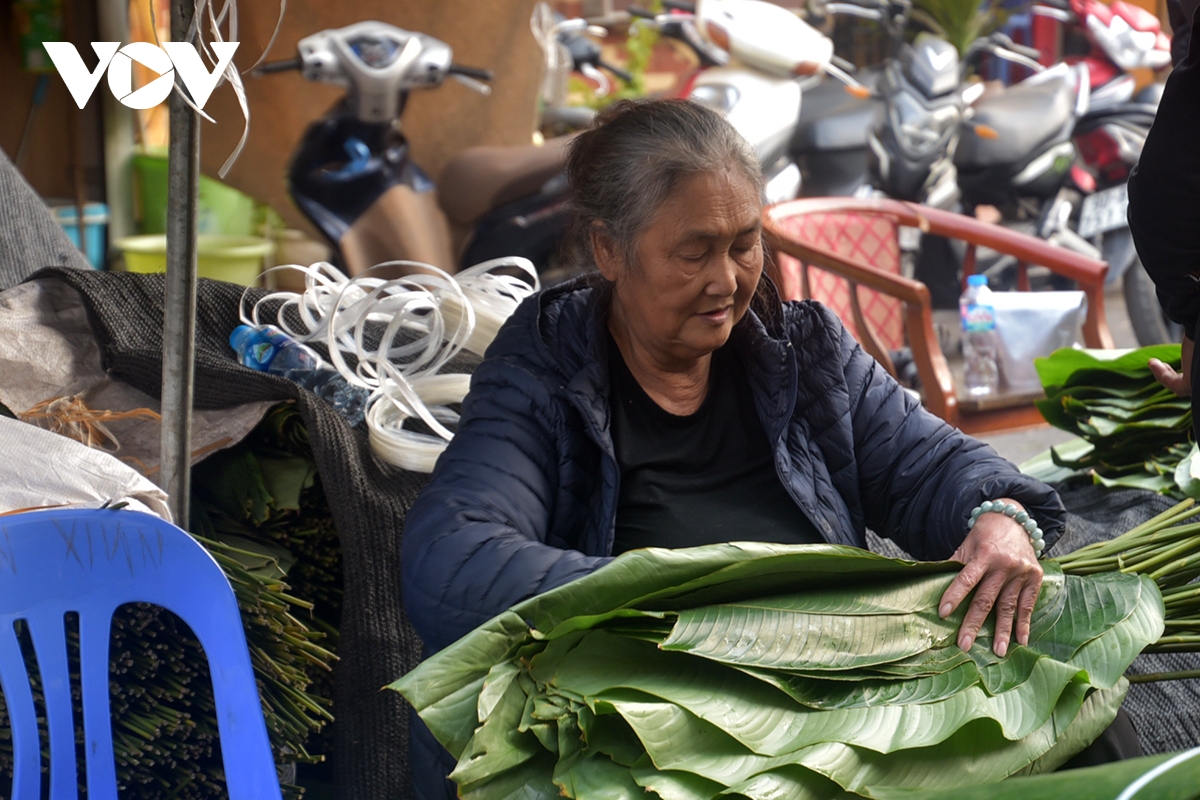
581	307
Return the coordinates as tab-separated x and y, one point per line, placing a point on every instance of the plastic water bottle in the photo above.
981	374
269	349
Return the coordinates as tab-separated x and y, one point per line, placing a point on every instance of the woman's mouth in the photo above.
717	316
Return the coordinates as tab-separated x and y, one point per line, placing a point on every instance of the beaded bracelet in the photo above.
1011	510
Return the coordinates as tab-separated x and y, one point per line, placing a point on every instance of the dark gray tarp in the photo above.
30	238
368	500
1167	713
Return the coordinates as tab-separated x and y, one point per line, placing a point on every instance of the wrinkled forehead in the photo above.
708	205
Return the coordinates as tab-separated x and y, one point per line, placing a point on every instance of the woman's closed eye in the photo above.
743	246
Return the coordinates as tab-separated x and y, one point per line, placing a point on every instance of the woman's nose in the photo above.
724	279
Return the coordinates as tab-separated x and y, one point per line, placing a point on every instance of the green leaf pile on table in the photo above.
709	671
1173	775
1132	432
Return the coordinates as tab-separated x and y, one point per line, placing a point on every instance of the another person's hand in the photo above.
1002	567
1178	382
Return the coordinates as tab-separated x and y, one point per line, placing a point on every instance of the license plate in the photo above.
1103	211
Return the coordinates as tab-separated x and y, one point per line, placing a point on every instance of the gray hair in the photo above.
624	168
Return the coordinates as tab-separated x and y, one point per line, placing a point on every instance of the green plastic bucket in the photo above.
221	209
236	259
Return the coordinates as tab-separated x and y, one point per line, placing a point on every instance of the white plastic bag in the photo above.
1030	325
42	469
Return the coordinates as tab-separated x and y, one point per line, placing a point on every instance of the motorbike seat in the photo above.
831	119
1025	117
840	128
481	178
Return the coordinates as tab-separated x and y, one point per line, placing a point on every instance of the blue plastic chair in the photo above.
91	562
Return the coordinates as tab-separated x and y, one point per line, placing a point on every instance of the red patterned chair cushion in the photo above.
866	238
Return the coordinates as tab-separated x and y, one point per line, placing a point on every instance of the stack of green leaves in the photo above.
263	499
1132	432
1165	549
705	672
1172	775
259	510
260	504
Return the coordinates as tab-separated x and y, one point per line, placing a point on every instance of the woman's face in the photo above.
698	264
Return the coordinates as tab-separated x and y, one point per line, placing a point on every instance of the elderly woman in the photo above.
677	402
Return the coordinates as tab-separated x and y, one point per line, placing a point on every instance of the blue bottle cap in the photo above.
239	335
977	280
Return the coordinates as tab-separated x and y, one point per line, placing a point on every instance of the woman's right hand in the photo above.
1178	382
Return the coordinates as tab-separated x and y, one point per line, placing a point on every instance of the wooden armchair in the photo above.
845	252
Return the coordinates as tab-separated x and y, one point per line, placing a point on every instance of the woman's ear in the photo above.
606	253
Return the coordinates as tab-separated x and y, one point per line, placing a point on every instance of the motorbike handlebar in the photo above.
279	66
1006	42
854	10
624	75
1028	52
641	13
470	72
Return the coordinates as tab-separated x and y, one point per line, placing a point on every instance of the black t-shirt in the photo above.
704	478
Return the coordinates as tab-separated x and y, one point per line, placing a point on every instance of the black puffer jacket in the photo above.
524	498
1180	12
1164	200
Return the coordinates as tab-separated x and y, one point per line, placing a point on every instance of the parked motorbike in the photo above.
1109	138
353	176
512	200
932	145
1111	40
774	58
569	47
928	148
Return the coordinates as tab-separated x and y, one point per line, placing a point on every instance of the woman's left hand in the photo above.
1002	567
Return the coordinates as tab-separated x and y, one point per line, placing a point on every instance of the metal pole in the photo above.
179	312
119	125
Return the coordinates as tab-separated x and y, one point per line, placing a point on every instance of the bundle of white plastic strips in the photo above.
401	332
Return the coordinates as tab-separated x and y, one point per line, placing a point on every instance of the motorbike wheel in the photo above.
1150	324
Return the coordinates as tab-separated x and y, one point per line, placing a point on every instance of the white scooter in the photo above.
773	57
